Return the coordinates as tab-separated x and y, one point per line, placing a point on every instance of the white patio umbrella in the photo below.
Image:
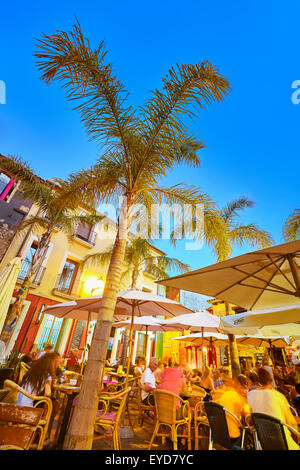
258	279
279	321
208	338
266	341
133	303
198	321
8	278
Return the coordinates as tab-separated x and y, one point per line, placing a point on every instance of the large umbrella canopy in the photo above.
279	321
259	279
144	303
207	338
259	342
194	322
8	278
145	323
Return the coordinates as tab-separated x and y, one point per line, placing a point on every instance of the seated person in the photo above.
72	362
148	383
233	398
38	381
218	382
195	376
269	401
139	367
296	398
173	380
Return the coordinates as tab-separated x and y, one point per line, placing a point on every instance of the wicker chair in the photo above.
110	420
14	390
271	431
218	428
200	419
19	426
166	415
144	408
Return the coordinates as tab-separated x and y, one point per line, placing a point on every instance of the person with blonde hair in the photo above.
206	382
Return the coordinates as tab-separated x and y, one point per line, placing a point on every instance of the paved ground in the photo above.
141	436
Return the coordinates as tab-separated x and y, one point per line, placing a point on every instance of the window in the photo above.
27	261
67	277
7	185
83	231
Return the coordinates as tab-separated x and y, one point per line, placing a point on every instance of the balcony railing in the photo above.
24	270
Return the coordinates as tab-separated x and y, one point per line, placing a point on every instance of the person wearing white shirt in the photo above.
269	401
148	380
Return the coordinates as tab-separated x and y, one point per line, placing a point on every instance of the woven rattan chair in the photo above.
166	415
200	420
218	428
18	426
271	431
110	420
46	403
144	408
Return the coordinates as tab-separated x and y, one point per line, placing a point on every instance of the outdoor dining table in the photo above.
70	391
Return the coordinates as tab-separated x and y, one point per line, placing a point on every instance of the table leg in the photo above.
65	421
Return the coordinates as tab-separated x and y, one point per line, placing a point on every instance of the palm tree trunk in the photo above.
81	430
233	351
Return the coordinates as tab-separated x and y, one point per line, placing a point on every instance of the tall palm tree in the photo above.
239	235
56	211
138	258
141	146
291	228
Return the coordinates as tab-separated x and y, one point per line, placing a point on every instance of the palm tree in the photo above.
141	147
291	228
138	258
56	211
239	235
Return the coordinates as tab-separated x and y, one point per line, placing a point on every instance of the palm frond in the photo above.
68	57
233	208
251	234
291	228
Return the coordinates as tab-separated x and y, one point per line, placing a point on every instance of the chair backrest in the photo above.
11	417
216	415
15	389
270	432
123	394
165	404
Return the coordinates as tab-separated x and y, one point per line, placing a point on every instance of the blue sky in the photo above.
252	137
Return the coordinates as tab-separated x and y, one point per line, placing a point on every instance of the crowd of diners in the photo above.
268	389
265	388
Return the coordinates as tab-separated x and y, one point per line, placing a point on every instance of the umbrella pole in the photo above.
202	349
85	345
211	351
130	346
146	343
